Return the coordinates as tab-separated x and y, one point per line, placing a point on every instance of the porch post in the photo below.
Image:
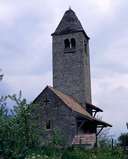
96	139
97	133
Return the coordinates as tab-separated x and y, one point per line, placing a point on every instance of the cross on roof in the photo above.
46	101
69	7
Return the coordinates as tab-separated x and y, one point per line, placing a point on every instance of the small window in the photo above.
48	125
85	43
85	46
67	43
73	43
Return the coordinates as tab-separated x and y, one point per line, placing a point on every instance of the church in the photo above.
67	106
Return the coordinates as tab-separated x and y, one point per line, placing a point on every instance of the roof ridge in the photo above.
73	105
70	102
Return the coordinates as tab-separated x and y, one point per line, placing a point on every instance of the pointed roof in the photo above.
69	24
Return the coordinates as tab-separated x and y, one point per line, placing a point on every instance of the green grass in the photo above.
75	153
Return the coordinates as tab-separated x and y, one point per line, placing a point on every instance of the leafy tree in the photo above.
123	139
23	114
105	138
58	139
3	123
18	130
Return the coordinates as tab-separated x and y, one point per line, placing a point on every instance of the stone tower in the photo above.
71	61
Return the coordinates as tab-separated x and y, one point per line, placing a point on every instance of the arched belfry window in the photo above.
69	45
73	43
66	43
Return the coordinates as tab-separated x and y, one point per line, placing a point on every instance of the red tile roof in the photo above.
71	103
94	107
75	106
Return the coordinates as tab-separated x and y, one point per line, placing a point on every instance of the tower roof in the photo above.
69	24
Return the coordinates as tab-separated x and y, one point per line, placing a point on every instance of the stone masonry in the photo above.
71	67
61	117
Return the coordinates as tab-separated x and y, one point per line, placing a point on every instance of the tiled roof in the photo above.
101	123
71	103
75	106
69	24
94	107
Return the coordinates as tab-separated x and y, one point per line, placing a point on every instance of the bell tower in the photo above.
71	61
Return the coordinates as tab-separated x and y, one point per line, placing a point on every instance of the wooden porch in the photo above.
84	139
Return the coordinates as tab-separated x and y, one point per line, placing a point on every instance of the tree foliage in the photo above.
18	130
58	139
105	138
123	139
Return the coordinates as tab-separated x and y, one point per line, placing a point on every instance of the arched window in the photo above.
66	43
73	43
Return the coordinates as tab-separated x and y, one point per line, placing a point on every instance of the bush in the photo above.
58	140
123	139
92	154
51	151
48	152
74	153
17	132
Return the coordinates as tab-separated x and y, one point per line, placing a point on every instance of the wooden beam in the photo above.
94	113
81	124
99	131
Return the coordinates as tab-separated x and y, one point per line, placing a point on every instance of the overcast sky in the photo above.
26	50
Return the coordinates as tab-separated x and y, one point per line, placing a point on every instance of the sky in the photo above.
26	50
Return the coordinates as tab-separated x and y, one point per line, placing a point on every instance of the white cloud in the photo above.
110	93
30	85
117	52
7	13
104	6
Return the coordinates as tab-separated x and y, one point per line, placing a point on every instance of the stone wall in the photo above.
71	69
62	118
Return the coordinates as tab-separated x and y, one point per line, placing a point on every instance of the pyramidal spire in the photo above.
69	24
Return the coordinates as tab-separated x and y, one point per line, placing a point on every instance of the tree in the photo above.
105	138
4	126
123	139
18	129
26	125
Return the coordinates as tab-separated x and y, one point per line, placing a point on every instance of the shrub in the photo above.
48	152
17	132
58	140
74	153
123	139
92	154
